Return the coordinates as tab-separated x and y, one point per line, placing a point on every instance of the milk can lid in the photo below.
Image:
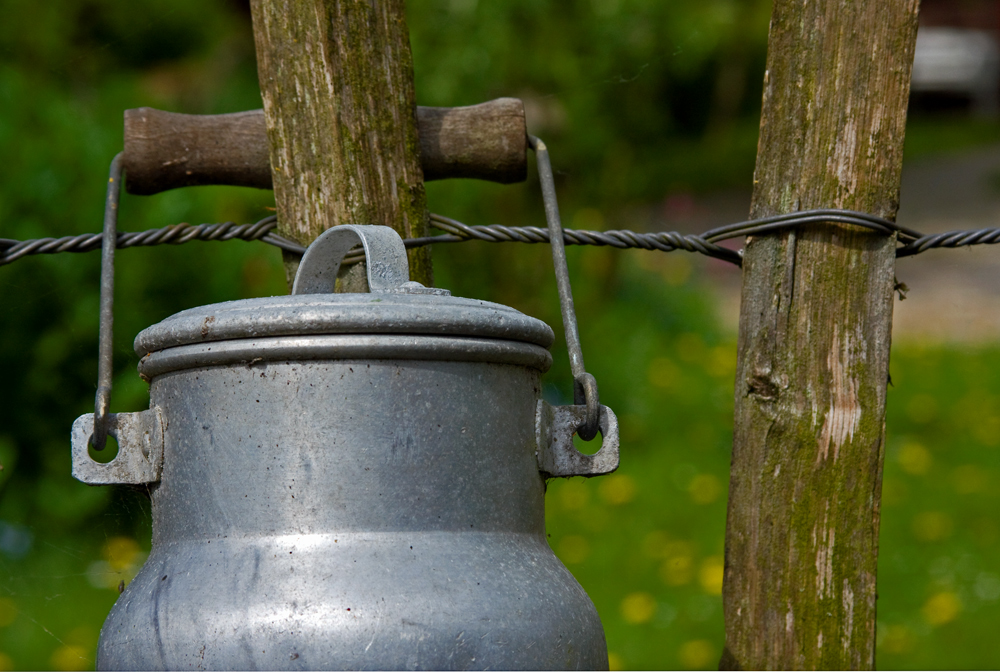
425	313
397	320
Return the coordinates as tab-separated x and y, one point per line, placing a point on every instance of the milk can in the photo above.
349	481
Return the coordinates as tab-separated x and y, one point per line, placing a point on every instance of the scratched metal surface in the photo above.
351	482
352	514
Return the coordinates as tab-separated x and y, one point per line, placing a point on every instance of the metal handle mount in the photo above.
140	449
557	456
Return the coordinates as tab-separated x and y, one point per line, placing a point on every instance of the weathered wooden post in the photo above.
802	531
337	81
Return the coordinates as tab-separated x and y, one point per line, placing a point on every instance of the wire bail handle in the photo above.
105	358
584	384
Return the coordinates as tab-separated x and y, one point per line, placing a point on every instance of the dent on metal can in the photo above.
349	481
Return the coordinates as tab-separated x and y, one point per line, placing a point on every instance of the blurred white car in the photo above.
959	61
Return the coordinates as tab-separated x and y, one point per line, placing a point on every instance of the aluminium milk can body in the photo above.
350	482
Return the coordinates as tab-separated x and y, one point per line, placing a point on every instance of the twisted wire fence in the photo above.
911	242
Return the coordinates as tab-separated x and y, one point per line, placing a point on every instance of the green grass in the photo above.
939	568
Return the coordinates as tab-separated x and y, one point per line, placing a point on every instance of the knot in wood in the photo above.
763	386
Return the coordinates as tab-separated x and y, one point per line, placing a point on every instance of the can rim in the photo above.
419	315
260	351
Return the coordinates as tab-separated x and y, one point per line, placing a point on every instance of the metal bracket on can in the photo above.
557	456
140	449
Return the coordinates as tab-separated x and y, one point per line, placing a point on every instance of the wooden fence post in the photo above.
337	82
815	323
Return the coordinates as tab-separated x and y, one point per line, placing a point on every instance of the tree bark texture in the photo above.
337	82
815	327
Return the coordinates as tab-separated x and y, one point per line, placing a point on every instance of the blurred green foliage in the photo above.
637	100
939	568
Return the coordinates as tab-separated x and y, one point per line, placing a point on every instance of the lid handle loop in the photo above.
385	254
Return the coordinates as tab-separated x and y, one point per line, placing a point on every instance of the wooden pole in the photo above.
337	82
816	315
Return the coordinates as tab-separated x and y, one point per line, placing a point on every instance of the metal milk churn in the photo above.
349	481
